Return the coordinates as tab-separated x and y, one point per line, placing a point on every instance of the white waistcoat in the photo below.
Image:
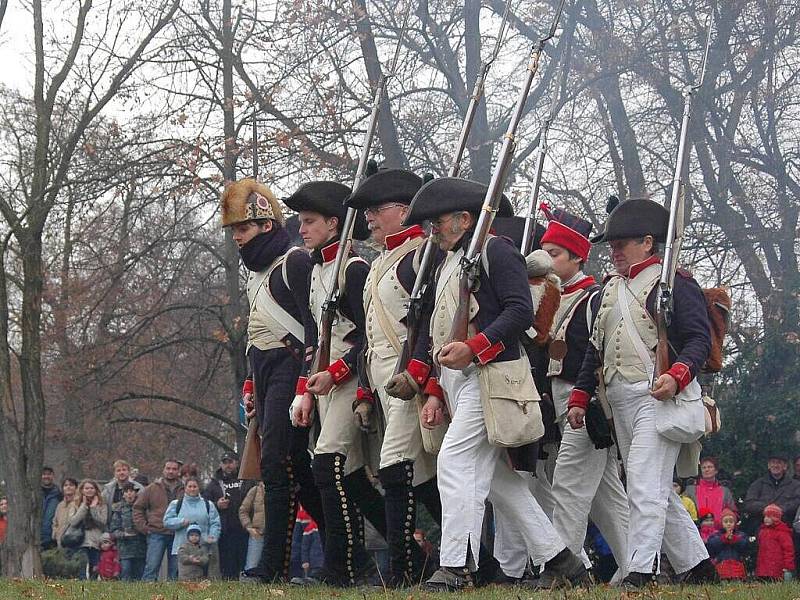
609	335
392	296
320	285
447	300
265	330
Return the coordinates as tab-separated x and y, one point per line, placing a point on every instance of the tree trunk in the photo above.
387	132
479	144
233	308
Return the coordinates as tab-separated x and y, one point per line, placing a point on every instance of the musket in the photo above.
665	303
255	145
331	304
541	153
470	262
423	277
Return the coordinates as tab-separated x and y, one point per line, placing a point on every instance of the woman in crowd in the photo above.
709	492
89	511
60	521
193	509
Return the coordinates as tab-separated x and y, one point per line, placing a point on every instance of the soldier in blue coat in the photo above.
620	357
279	323
470	468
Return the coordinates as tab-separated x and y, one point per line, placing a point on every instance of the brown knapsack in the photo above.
718	305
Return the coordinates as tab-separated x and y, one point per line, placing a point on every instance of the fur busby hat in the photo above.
387	185
248	200
451	194
635	218
567	230
514	228
327	198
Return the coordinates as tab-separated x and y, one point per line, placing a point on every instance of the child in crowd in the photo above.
131	545
192	556
705	523
728	547
775	558
687	502
108	567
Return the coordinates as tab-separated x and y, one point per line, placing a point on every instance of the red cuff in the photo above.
578	398
680	373
339	370
432	388
300	388
364	395
247	387
484	349
419	371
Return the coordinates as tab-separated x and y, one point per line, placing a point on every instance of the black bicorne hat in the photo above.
635	218
388	185
514	228
327	198
451	194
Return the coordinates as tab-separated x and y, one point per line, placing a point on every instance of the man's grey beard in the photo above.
455	229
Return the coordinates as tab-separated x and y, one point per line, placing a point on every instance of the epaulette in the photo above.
607	277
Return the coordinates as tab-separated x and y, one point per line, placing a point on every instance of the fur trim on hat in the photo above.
248	200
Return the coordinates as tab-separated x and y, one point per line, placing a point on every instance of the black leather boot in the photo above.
368	500
408	563
428	494
281	509
346	560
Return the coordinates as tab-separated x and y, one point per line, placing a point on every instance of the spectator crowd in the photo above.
178	527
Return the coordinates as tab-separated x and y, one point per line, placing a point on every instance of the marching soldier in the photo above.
339	457
470	468
407	472
280	321
621	355
586	481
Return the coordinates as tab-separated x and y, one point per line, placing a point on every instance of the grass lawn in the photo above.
75	590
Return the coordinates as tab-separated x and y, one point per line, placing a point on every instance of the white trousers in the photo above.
339	432
470	470
586	484
541	486
657	519
402	439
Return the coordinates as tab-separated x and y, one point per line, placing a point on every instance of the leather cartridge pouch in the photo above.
510	403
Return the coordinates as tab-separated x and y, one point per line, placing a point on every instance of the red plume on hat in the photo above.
567	230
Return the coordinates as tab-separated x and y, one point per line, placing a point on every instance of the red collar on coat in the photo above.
584	283
329	252
641	266
409	233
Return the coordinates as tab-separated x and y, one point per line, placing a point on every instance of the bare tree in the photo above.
23	411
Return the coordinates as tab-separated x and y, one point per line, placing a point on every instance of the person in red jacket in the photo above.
109	566
775	558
